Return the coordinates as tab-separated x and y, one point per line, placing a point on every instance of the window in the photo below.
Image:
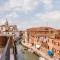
46	28
52	41
37	38
48	40
59	33
59	52
8	32
53	49
48	47
51	31
58	44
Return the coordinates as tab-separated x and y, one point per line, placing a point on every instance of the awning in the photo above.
50	52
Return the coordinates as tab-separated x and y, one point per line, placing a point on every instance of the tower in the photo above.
6	23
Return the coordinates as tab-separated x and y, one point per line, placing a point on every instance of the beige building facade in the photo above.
45	37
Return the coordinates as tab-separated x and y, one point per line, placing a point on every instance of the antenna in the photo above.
47	24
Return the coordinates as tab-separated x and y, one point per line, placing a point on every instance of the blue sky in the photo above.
31	13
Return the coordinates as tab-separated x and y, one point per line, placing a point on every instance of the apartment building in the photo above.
46	37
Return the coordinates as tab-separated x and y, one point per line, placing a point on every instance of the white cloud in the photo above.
15	3
11	4
47	1
48	4
30	4
52	15
12	15
14	6
22	5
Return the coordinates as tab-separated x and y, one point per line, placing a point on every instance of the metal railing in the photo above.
6	51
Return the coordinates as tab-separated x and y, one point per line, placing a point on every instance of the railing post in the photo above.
15	51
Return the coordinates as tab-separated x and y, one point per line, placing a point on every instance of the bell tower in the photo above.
6	23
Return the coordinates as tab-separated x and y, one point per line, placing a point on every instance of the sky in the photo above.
31	13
